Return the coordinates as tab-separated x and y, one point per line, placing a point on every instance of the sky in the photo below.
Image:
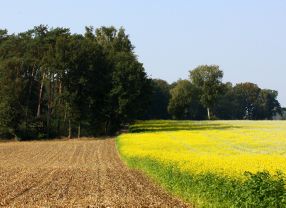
246	38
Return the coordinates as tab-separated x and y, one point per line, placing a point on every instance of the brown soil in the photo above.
74	173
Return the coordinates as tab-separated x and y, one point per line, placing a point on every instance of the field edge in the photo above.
208	189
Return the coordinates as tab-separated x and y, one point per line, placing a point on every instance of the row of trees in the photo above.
54	83
205	96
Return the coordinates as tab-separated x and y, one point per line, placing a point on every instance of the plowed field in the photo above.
73	173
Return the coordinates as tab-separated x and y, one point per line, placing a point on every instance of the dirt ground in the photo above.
73	173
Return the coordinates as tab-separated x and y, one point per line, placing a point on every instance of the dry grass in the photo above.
73	173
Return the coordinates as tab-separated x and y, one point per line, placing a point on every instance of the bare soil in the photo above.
74	173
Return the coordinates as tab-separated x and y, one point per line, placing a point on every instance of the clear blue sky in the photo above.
246	38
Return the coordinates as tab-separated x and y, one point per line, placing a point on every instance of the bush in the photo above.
263	190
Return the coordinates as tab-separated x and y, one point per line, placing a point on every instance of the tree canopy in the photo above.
54	83
184	102
159	100
205	92
209	80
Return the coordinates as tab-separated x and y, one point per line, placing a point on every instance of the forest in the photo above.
58	84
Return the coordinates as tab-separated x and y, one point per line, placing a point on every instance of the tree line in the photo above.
205	96
55	83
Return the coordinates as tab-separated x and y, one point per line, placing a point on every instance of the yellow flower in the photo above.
223	147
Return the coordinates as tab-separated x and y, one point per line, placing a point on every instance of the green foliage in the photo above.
226	105
55	83
209	190
129	87
184	101
268	105
283	113
160	96
262	190
251	102
209	80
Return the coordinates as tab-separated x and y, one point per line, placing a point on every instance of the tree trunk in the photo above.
78	131
40	96
49	107
65	113
209	114
106	128
65	117
59	116
69	130
29	97
58	127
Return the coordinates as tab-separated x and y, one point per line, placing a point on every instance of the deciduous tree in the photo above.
209	80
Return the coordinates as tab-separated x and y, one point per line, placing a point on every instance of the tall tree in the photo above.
63	84
209	80
159	100
225	106
268	104
10	108
184	102
246	96
247	101
129	84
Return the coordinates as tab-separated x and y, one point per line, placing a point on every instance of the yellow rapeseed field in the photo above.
226	148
